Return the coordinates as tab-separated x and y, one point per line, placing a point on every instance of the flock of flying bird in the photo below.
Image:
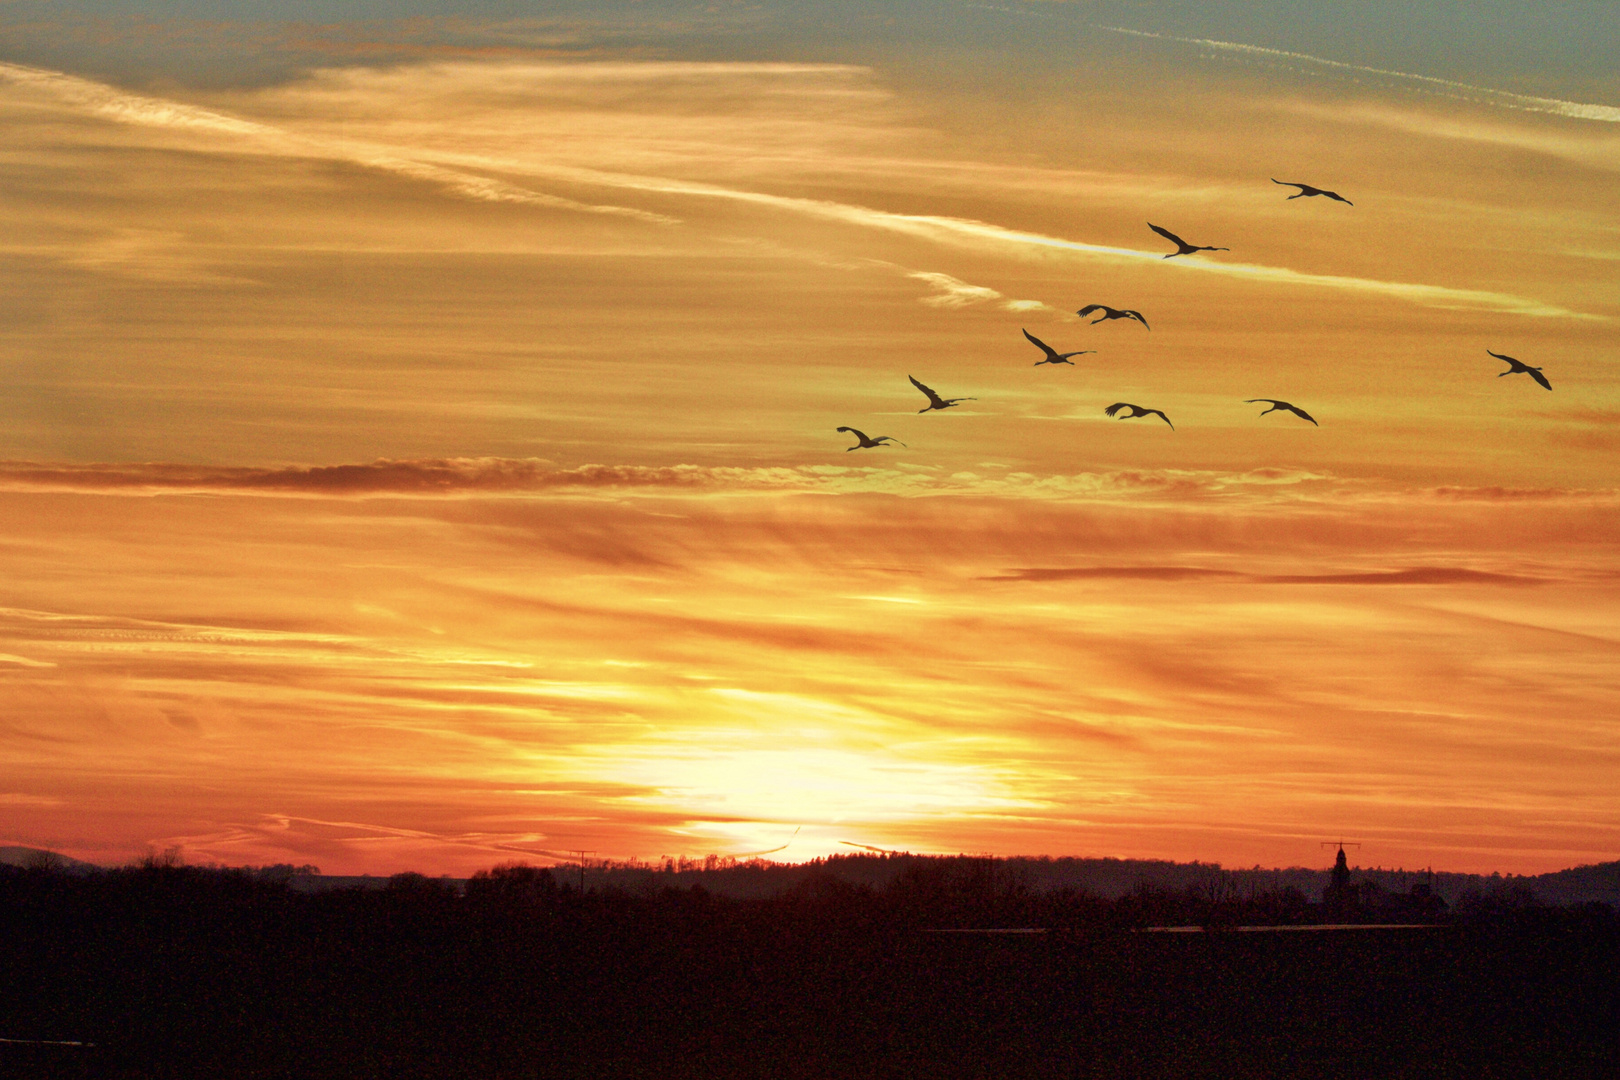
1124	409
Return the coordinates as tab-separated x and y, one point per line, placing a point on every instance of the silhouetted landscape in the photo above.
858	966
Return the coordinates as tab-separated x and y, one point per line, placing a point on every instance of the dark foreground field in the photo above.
173	972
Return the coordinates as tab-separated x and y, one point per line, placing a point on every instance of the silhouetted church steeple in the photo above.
1340	896
1341	872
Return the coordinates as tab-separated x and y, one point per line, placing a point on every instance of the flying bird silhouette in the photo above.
1518	366
1275	405
1052	355
1136	410
934	400
867	443
1112	313
1186	248
1307	189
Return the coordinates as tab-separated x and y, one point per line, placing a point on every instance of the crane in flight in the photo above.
1136	410
1307	189
866	442
1052	355
1520	366
1185	248
1112	313
934	400
1275	405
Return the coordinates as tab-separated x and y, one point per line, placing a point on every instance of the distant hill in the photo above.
27	856
1580	884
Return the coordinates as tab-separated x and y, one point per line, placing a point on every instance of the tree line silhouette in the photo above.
1110	878
183	971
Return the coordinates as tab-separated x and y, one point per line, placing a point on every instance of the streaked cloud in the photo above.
459	476
968	232
1501	98
122	107
952	293
1601	151
455	170
1420	575
17	798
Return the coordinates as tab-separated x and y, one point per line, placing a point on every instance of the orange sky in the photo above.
422	466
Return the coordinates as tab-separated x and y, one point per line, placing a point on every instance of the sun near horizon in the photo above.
419	447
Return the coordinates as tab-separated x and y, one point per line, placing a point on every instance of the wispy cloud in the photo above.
145	254
985	235
122	107
102	100
23	661
1114	573
1417	575
1497	493
485	188
951	292
419	477
17	798
1574	109
283	826
1592	151
466	174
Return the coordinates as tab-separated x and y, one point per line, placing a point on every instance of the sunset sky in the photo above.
418	450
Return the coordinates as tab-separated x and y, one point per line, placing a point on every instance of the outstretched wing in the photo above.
1340	198
1038	343
1289	183
1116	406
1535	373
1089	308
861	435
1297	411
1168	235
1137	315
1258	400
933	397
1161	416
1499	356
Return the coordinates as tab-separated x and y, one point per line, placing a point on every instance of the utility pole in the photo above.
582	855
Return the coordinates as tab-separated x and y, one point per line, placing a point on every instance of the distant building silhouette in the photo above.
1340	896
1352	901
